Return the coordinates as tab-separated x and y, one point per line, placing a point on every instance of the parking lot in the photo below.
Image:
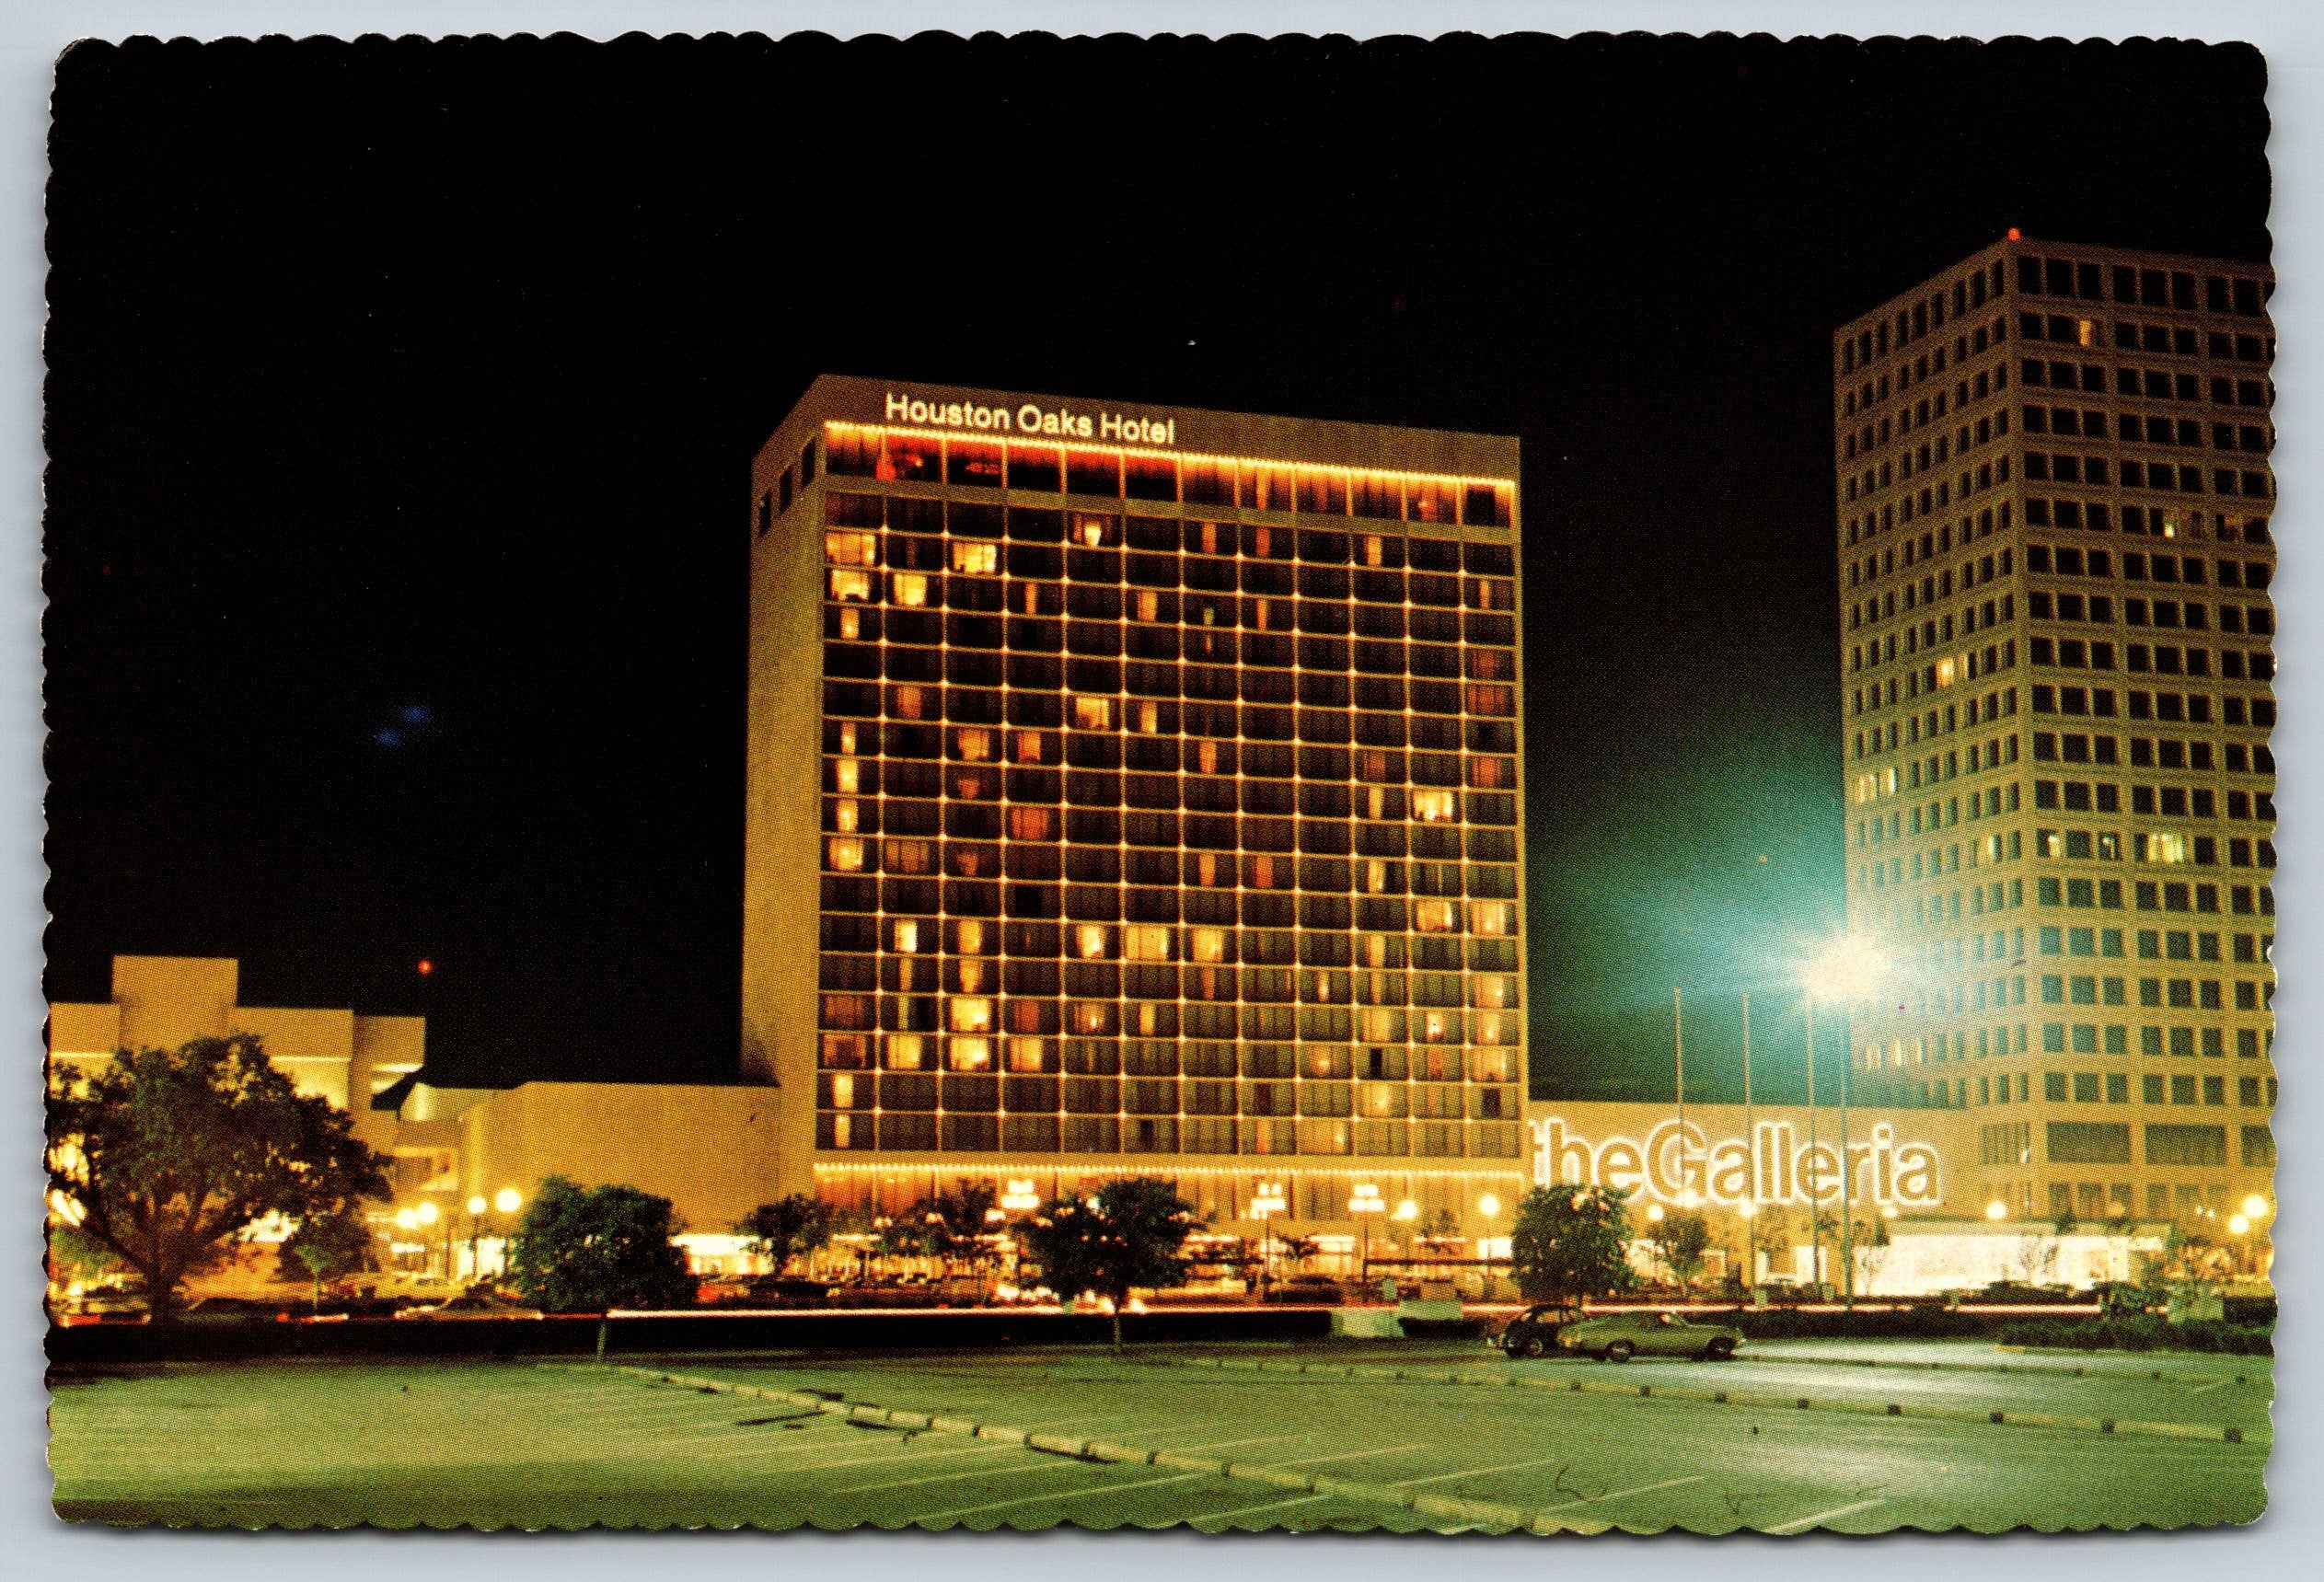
1215	1437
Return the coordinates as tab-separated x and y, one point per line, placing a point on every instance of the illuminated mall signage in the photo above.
1059	422
1775	1166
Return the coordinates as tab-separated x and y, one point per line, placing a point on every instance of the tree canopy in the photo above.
1570	1242
585	1249
1683	1240
1129	1234
787	1228
162	1155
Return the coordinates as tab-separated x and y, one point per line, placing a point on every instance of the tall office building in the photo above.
1135	790
2054	557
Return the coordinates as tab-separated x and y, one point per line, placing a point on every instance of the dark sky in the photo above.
402	396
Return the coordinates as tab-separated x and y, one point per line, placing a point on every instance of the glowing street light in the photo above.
1488	1205
1846	970
1996	1210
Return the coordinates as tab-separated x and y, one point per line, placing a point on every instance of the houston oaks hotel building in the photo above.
2054	557
1135	789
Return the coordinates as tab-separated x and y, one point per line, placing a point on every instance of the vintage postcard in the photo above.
1508	786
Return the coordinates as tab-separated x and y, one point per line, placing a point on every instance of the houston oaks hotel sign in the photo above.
1055	422
1774	1165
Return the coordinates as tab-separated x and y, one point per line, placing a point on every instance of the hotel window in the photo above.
905	1052
1092	713
1146	942
907	588
851	549
971	1014
1436	917
1435	806
854	585
968	1053
976	558
844	854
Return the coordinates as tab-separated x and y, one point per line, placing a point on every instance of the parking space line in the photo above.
1069	1494
1478	1472
1642	1488
986	1451
1056	1466
1805	1522
1348	1456
1231	1444
1254	1509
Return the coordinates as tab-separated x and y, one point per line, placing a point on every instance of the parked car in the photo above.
1534	1331
473	1305
1618	1337
789	1291
235	1310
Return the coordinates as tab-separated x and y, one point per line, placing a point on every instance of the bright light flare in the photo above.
1850	968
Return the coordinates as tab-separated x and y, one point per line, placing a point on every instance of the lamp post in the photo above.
1844	970
1490	1206
1407	1213
1266	1198
1365	1202
506	1202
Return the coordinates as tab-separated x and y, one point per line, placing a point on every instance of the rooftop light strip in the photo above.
1046	442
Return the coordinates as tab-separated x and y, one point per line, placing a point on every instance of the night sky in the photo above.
402	398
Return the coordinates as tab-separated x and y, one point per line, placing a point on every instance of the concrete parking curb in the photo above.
1467	1513
2021	1370
2226	1433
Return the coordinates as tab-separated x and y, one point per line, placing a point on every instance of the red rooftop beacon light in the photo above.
2014	234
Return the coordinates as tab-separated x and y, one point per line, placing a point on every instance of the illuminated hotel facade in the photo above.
2055	555
1135	790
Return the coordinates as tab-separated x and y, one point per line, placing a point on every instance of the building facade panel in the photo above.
2053	500
1166	786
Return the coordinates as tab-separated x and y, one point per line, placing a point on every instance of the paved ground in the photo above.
520	1445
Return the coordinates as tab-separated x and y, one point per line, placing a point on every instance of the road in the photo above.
766	1441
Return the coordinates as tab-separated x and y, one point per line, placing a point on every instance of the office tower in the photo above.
2054	557
1135	790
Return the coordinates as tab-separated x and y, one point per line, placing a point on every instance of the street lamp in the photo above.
1266	1197
1846	969
1365	1201
1490	1206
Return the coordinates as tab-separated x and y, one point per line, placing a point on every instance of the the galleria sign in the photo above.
1775	1165
1058	423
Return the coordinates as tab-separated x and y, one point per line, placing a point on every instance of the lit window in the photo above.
1206	944
850	585
1435	917
1371	550
2162	848
1441	1027
907	934
1146	942
1147	717
842	1091
847	737
1090	530
1093	713
969	937
844	815
908	703
1207	868
1435	806
970	1054
1091	942
975	746
1148	607
1030	822
1090	1016
978	558
1028	746
905	1052
971	974
911	588
850	624
1206	760
844	854
851	549
843	1131
971	1015
1026	1054
1493	991
1945	672
909	857
1380	1024
1492	917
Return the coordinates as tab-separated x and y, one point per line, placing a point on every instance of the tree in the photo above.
1570	1242
322	1247
162	1155
786	1228
1127	1233
585	1249
946	1225
1681	1240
